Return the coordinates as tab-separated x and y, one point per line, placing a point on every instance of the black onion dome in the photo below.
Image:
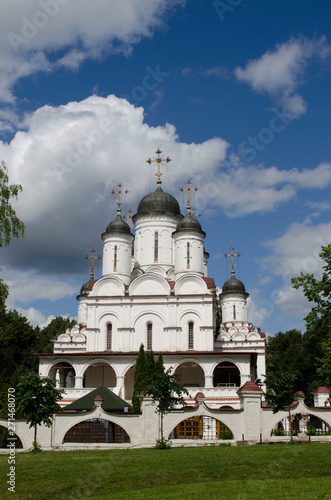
189	223
158	202
85	288
233	285
118	226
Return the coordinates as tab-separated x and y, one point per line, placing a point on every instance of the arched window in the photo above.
156	246
188	255
149	336
109	336
191	335
115	258
234	311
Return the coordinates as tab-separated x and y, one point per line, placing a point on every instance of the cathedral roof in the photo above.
118	226
233	285
158	202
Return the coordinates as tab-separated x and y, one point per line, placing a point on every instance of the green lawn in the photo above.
301	471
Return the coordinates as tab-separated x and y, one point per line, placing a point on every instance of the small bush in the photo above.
163	444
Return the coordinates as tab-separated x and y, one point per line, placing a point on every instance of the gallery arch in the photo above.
226	374
128	383
190	374
64	375
99	374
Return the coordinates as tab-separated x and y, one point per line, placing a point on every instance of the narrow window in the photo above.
191	335
188	256
234	311
109	336
149	336
156	246
115	258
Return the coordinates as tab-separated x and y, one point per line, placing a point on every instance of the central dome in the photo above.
158	202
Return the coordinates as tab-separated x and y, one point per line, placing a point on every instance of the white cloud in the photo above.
281	71
247	190
296	251
28	286
47	34
70	158
35	317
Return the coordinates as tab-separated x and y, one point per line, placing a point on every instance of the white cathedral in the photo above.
155	291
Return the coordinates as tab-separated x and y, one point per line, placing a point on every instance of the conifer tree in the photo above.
139	378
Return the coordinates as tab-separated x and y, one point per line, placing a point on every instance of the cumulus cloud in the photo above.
28	286
70	158
48	34
280	72
296	251
244	190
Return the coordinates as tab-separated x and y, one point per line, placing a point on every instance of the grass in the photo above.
243	472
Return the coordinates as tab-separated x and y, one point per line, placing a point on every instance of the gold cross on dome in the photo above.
92	257
188	189
129	217
158	160
194	214
232	255
119	192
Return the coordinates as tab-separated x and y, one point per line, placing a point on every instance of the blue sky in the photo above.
237	93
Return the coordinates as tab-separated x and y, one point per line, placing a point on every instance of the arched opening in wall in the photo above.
226	374
64	375
156	246
191	335
96	430
201	427
190	375
301	422
109	340
149	342
99	374
7	439
128	383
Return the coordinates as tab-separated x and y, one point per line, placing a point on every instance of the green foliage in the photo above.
37	400
317	338
317	290
10	224
281	391
163	444
48	333
139	379
311	430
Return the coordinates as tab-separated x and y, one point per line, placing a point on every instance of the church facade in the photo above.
155	291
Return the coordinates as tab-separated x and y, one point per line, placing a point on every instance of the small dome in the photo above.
188	223
87	287
118	226
158	202
233	285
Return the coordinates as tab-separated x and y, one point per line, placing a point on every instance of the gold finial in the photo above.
92	257
194	214
232	255
158	160
129	217
119	192
188	189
